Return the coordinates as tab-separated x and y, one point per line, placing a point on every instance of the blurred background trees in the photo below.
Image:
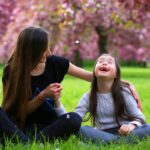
81	29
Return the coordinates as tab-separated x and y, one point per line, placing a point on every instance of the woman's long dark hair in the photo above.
118	98
31	45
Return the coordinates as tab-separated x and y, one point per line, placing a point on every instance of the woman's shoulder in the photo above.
51	58
56	58
58	61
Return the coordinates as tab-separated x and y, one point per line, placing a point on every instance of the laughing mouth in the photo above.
104	69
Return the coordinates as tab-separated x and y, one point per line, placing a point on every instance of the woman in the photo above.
31	87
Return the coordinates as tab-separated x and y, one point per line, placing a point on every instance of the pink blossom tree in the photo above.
6	8
29	13
88	27
120	29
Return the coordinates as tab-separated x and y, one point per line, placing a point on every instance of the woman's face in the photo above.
45	55
106	67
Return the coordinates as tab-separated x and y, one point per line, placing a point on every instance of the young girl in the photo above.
111	105
31	87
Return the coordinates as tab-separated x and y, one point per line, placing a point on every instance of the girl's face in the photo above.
46	53
105	67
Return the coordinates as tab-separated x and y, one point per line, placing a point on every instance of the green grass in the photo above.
73	89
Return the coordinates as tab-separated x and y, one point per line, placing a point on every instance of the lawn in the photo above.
73	89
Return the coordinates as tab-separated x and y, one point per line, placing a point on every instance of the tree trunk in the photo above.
77	60
143	64
102	42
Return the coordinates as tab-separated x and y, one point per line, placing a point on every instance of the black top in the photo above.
55	69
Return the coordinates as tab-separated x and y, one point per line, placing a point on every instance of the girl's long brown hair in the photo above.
117	95
31	45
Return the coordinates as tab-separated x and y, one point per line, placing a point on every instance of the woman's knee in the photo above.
73	120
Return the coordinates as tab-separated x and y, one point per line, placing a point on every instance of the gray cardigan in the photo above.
105	110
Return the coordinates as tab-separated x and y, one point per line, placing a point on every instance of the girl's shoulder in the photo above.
126	90
129	98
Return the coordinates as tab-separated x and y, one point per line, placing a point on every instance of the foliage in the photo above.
125	23
6	7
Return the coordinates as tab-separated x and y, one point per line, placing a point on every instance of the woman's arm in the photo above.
33	104
37	101
53	91
80	73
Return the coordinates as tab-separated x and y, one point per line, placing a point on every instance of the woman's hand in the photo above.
125	129
56	99
53	91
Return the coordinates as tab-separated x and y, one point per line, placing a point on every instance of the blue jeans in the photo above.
111	135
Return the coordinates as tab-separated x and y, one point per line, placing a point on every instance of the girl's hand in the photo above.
53	91
125	129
